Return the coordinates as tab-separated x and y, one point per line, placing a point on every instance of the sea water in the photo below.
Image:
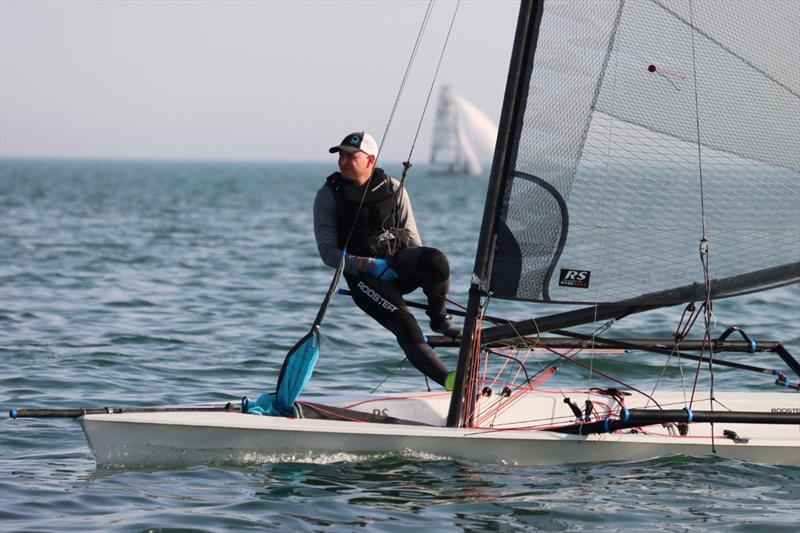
132	283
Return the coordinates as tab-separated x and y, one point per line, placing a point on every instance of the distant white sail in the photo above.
458	124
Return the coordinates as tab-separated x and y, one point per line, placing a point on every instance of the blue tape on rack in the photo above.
753	345
786	381
606	425
689	415
625	414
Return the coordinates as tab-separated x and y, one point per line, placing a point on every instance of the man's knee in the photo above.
435	265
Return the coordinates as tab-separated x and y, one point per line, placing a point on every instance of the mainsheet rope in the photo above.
407	163
605	189
681	331
406	74
400	90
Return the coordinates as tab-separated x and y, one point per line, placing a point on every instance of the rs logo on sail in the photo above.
574	278
377	298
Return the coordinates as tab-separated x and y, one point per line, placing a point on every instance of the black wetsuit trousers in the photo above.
416	267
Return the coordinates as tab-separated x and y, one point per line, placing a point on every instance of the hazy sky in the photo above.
248	80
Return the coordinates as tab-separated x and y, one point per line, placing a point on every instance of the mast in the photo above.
530	15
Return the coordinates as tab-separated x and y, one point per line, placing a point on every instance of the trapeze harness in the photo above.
375	233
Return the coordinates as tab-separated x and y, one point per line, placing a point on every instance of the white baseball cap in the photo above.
358	141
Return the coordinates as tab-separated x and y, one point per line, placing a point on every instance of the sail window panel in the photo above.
534	220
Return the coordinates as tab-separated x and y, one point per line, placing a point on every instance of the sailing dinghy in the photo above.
452	152
647	157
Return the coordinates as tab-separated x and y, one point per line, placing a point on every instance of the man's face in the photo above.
356	166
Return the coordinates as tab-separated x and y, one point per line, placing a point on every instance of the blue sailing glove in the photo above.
382	270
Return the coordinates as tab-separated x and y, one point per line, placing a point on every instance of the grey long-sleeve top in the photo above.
325	225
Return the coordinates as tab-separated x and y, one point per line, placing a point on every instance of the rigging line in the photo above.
706	342
399	193
407	163
680	335
563	358
501	404
389	374
411	59
463	307
610	53
607	376
340	268
472	383
697	124
532	346
472	373
704	248
681	331
400	90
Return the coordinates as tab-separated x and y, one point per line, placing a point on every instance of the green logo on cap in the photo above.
355	139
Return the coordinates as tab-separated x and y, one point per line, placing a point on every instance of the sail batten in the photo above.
605	199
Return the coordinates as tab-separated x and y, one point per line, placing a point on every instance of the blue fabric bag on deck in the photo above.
295	373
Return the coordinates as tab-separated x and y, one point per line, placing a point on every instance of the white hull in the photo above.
182	438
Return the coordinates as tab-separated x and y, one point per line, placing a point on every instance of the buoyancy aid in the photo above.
375	233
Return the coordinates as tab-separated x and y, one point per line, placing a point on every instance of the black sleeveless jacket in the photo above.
372	221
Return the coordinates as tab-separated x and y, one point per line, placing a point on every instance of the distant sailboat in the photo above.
458	121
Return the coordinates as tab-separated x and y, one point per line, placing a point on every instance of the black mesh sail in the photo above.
647	124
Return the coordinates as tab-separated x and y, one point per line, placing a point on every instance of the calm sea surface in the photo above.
147	283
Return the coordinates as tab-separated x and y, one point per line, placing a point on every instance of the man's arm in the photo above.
405	217
325	227
325	231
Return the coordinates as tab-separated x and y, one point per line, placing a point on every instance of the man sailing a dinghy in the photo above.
384	257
